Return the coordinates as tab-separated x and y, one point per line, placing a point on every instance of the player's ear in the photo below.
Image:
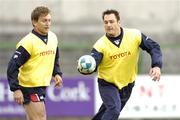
34	23
119	22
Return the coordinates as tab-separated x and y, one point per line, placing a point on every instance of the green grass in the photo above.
77	45
174	45
5	45
64	46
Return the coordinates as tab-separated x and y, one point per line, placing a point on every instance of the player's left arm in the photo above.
97	56
153	48
57	74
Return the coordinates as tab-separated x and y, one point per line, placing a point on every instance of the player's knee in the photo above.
115	111
41	115
37	117
111	114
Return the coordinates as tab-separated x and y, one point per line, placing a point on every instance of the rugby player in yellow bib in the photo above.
33	64
116	54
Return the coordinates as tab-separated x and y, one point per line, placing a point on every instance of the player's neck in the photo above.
117	33
39	32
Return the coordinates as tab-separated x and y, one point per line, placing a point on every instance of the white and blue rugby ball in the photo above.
86	64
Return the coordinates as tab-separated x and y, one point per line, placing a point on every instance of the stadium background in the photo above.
78	25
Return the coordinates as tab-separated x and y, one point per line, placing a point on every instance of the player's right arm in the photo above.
19	57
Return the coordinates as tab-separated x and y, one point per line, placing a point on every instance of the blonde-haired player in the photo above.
33	64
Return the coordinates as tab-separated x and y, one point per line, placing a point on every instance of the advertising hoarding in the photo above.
75	98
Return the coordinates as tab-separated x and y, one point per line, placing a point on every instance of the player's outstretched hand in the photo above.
155	73
82	72
86	64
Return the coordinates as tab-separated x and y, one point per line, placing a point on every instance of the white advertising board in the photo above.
151	99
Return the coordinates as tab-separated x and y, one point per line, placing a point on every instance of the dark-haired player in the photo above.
116	54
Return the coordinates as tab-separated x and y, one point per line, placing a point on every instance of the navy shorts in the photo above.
34	94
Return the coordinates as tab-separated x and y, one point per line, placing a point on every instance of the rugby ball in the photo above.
86	64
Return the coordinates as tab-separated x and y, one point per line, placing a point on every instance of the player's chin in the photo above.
46	30
110	33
